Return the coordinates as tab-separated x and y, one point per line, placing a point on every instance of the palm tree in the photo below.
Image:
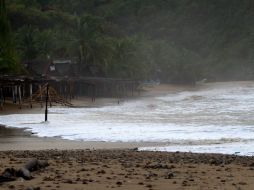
27	42
93	46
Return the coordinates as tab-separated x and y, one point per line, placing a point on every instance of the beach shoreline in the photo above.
86	102
19	139
22	139
104	165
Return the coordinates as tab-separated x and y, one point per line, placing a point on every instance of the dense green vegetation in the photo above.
8	59
171	40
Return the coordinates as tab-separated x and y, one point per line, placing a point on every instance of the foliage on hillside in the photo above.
172	40
7	50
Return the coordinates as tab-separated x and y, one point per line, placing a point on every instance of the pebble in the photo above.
68	181
149	186
169	175
11	187
119	183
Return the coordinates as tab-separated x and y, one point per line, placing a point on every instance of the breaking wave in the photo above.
214	118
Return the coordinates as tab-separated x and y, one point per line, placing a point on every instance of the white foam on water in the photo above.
243	149
215	119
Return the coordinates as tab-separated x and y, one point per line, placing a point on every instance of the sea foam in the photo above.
215	119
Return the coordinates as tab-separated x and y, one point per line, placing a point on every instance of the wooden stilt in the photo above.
70	89
23	91
118	93
41	96
31	95
1	99
13	94
3	96
79	88
94	91
124	93
16	93
19	94
46	108
132	89
65	91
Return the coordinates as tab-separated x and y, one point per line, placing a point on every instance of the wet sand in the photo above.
19	139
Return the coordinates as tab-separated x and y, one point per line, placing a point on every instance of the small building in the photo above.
52	68
62	67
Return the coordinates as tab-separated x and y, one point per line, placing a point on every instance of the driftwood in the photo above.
10	174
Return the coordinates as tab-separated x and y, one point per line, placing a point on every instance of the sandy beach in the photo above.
129	169
102	165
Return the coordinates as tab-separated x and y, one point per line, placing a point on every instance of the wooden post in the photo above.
132	89
94	92
14	94
1	99
4	94
23	90
70	90
103	93
31	95
46	108
118	93
19	93
40	95
124	90
79	88
65	91
59	87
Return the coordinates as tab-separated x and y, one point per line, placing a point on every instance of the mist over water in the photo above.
215	118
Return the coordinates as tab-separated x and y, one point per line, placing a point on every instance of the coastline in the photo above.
102	165
14	139
83	102
20	139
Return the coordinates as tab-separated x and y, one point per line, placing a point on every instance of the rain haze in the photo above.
90	80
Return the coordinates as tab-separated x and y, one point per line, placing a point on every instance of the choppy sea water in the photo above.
216	118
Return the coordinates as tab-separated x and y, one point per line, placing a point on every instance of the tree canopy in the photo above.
8	61
176	41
